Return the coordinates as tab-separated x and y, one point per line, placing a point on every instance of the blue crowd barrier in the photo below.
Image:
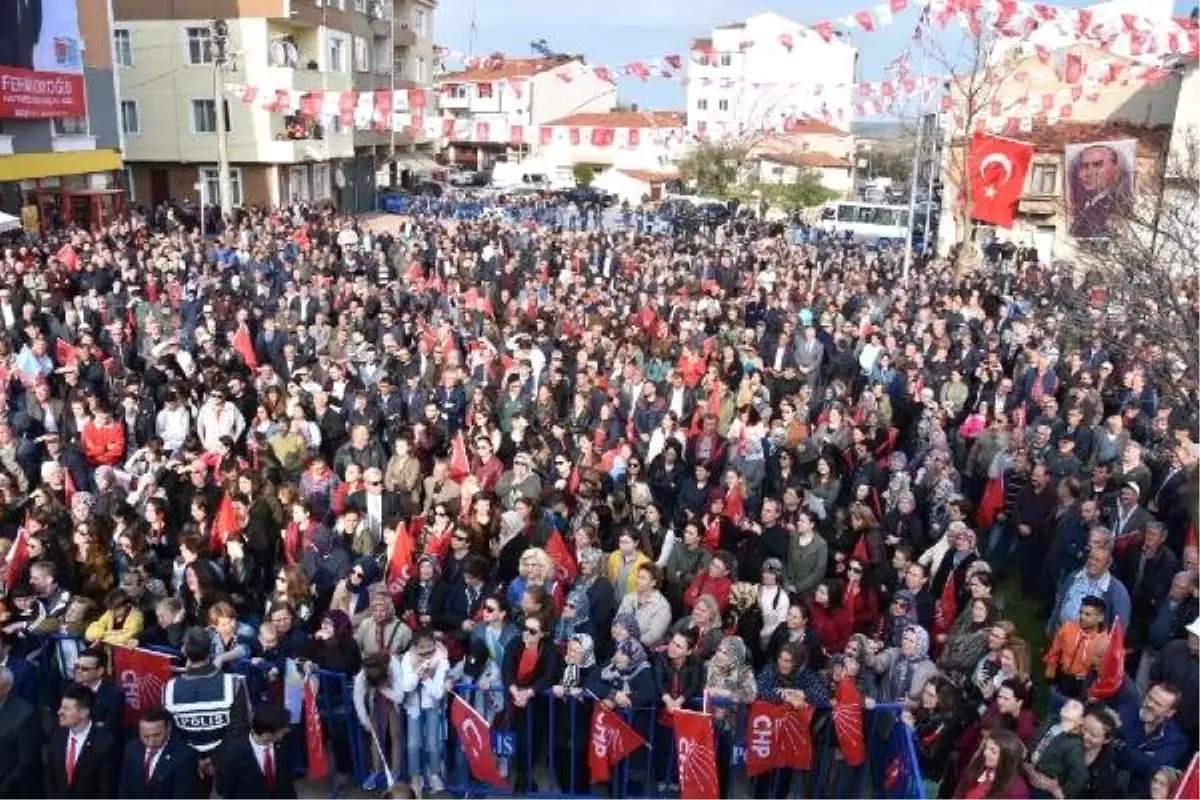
543	749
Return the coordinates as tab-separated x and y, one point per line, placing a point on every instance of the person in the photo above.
995	770
81	754
155	763
258	764
1101	188
20	742
205	703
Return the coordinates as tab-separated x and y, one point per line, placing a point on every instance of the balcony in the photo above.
403	36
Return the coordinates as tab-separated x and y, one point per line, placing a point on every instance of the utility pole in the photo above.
221	59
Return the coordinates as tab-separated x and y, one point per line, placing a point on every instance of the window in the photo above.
362	59
722	105
1043	179
726	59
204	116
702	104
199	46
130	123
210	181
124	46
320	182
418	22
71	126
337	54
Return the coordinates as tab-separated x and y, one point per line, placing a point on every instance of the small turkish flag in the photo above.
996	168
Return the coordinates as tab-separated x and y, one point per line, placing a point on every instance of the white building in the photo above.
497	109
753	75
646	142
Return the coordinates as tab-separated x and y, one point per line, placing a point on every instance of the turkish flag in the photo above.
460	464
778	736
475	739
611	741
142	675
225	523
848	722
996	168
696	754
1111	673
314	738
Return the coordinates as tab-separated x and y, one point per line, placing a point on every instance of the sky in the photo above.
618	31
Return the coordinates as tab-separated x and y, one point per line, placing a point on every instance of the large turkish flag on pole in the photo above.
475	739
996	168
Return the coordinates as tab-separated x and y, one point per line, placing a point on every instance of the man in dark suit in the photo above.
157	764
21	21
108	708
81	754
258	765
20	743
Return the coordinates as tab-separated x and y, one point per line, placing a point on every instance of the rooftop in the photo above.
499	70
623	119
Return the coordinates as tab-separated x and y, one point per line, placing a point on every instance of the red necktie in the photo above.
269	768
71	760
147	767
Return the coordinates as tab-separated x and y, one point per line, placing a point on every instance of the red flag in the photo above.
991	504
1111	673
18	556
460	464
1189	786
696	754
475	739
224	523
400	561
848	722
778	736
314	738
611	741
64	352
142	675
997	170
244	347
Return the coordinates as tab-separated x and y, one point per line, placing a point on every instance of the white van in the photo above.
506	175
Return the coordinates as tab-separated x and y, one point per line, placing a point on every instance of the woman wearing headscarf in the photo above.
573	711
729	680
575	619
905	669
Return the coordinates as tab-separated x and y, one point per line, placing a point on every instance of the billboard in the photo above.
41	60
1100	178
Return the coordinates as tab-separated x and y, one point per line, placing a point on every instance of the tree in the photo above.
584	174
712	167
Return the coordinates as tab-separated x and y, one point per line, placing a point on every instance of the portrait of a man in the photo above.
20	30
1099	185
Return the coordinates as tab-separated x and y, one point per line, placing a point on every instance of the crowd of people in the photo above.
573	467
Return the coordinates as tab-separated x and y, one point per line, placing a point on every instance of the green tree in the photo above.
584	174
712	167
806	192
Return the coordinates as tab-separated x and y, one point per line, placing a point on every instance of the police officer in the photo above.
205	704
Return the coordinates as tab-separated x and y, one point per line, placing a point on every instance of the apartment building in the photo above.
60	144
167	60
753	75
494	111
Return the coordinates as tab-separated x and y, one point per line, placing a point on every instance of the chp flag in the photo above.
778	736
142	675
996	169
475	739
612	740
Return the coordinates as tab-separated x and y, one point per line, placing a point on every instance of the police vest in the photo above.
202	707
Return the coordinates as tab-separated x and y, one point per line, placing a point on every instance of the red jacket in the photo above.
104	446
704	583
